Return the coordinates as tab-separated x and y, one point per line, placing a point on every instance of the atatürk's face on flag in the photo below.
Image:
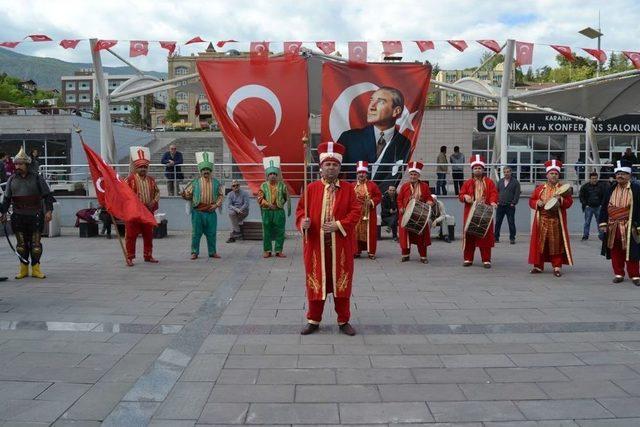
381	110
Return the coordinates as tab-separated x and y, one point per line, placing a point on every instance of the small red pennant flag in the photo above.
634	57
221	43
138	47
259	51
461	45
104	44
391	47
292	48
424	45
524	53
358	52
170	46
196	39
491	45
10	45
599	54
40	38
564	51
326	47
69	44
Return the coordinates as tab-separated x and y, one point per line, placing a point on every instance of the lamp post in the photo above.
592	33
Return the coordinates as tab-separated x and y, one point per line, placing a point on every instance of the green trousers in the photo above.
203	223
273	224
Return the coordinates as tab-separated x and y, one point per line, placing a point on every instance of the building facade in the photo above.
492	77
79	92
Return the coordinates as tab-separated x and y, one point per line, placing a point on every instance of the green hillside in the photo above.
46	72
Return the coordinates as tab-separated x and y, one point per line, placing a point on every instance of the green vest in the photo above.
281	198
197	191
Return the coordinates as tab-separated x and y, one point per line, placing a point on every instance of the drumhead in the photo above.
551	203
407	212
563	189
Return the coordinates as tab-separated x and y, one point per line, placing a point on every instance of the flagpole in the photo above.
305	144
113	220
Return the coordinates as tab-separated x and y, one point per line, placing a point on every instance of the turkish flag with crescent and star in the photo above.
349	116
634	57
263	110
524	53
114	194
138	47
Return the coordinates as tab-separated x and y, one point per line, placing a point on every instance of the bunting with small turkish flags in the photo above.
196	39
491	45
326	47
564	51
69	44
221	43
40	38
10	45
104	44
634	57
358	52
259	51
424	45
524	53
391	47
599	54
461	45
138	47
292	48
170	46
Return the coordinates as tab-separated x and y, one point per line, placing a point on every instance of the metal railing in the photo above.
76	177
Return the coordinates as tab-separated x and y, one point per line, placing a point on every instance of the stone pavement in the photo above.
216	342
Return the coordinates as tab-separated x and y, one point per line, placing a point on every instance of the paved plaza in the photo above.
216	342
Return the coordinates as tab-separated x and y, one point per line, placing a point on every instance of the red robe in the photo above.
565	202
371	242
405	195
490	196
346	212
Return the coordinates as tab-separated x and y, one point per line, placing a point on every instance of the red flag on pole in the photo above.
221	43
69	44
634	57
461	45
391	47
292	48
40	38
524	53
424	45
491	45
259	51
599	54
114	194
358	52
170	46
564	51
326	47
10	45
262	110
196	39
138	47
104	44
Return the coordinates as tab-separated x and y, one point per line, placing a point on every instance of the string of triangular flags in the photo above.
357	50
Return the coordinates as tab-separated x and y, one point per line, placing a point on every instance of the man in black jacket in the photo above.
389	210
508	196
591	195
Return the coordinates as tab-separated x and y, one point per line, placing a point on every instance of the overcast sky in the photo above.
539	21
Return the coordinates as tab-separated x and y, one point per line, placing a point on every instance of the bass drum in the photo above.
416	216
480	219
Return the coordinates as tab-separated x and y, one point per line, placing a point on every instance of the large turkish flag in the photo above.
263	110
346	95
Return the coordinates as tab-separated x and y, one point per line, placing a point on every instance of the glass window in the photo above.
205	107
604	143
540	143
518	140
480	142
84	98
182	107
558	142
84	85
71	97
202	97
181	71
181	96
71	85
624	141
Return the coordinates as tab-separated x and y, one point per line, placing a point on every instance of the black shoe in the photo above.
2	279
309	329
347	329
617	279
636	281
231	240
585	238
497	240
447	239
512	242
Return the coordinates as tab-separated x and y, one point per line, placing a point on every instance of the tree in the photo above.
497	59
134	113
96	109
529	76
148	105
172	115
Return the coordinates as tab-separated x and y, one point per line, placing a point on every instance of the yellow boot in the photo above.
23	271
36	272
